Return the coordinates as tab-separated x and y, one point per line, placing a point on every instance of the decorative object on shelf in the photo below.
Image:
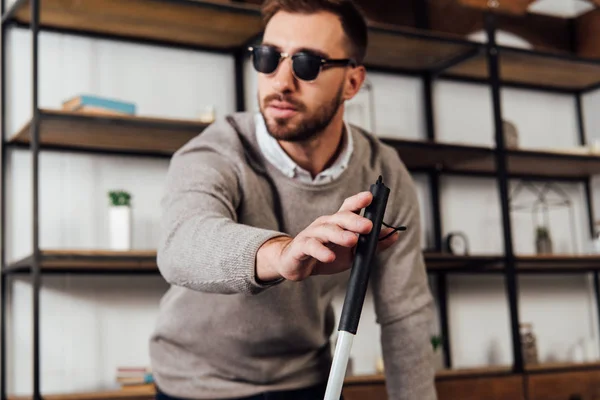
546	195
511	135
543	241
134	377
515	7
438	354
595	248
379	366
528	344
360	110
594	147
578	351
98	105
120	220
456	243
207	115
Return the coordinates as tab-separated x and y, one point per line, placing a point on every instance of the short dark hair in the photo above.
351	17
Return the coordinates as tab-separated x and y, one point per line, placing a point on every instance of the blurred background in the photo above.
492	105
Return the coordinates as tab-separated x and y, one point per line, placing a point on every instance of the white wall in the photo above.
82	346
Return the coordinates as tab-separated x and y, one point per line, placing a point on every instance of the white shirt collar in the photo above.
273	152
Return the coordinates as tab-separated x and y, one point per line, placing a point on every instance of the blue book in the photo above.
99	104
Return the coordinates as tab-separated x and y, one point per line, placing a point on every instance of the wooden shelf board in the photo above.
442	374
84	261
403	48
420	154
534	68
453	157
473	372
557	263
202	23
552	163
227	25
124	394
440	262
562	366
65	129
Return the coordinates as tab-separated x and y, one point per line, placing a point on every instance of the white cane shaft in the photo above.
339	365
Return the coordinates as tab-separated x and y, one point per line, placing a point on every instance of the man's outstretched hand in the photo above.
326	246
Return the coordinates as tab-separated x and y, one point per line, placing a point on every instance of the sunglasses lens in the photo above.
307	66
265	59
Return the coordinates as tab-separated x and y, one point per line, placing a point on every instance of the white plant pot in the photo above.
438	359
120	227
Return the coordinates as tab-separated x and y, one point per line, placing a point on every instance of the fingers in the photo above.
333	233
349	221
319	251
307	247
357	202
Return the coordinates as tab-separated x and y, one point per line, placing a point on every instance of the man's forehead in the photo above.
292	31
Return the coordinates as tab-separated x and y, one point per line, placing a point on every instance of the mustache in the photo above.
282	97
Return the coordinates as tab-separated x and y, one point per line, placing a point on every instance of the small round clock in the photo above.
456	243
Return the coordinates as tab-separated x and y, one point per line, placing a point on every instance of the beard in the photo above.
309	127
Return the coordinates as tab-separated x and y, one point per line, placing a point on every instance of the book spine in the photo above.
109	104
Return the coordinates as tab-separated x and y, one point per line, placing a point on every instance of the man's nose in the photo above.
284	79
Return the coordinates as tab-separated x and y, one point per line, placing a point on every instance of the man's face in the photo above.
296	110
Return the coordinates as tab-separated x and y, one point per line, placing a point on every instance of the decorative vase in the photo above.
543	242
528	344
438	359
511	135
120	227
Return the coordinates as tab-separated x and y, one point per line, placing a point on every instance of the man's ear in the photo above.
354	81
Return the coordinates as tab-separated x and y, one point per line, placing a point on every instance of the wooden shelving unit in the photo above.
401	48
552	164
124	394
527	67
148	393
89	261
98	261
109	134
561	366
442	374
557	263
448	263
209	24
456	157
449	157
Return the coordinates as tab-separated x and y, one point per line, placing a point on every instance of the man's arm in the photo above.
202	246
403	301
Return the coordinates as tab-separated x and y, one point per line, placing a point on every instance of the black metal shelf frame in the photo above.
492	51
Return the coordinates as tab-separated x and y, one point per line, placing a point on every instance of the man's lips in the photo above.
283	105
282	109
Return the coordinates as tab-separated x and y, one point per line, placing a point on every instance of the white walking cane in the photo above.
357	287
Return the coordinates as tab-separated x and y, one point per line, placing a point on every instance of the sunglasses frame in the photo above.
340	62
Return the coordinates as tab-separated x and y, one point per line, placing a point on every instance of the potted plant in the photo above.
120	220
543	242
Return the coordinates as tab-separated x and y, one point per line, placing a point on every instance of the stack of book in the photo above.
134	377
98	105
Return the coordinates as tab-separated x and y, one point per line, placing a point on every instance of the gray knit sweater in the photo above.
221	334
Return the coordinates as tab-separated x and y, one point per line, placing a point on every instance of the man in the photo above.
261	215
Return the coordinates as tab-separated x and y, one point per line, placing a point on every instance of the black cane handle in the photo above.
361	267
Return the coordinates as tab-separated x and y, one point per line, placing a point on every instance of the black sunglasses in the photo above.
305	65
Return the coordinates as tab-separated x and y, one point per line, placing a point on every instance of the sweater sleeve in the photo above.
202	245
403	301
